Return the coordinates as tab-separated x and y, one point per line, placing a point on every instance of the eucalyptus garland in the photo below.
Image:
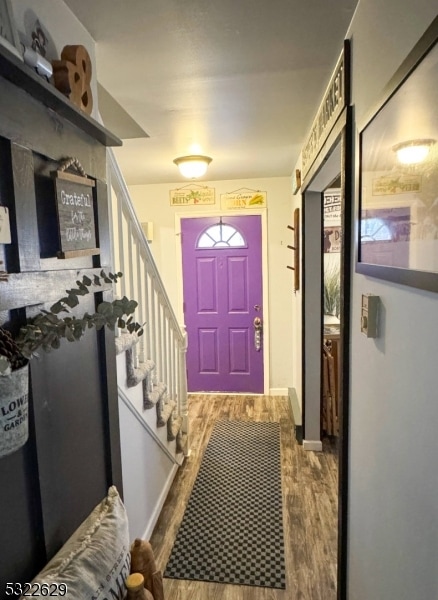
48	328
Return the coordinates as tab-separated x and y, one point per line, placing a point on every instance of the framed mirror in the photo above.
398	213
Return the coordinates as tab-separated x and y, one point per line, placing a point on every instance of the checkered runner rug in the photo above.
232	529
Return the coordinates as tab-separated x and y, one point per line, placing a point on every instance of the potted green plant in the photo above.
45	331
332	290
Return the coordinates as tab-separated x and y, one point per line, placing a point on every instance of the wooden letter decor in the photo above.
72	76
75	209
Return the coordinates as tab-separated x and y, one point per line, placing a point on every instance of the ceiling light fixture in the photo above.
193	166
413	152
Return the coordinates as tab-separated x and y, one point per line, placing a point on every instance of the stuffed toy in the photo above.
136	590
143	561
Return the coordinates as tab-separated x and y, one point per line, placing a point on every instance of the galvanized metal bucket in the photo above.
14	391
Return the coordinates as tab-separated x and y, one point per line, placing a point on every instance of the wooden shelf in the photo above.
23	76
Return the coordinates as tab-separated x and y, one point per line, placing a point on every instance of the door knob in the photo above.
257	333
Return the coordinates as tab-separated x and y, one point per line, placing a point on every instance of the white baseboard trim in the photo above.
161	500
315	445
278	392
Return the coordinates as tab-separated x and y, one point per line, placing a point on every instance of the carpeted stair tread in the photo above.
134	375
181	442
164	411
125	341
173	427
151	398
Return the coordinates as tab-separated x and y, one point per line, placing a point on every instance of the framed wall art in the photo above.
8	32
398	178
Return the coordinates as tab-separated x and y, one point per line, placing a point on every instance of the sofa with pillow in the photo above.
95	561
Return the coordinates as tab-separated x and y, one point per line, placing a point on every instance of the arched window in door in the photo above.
375	230
221	236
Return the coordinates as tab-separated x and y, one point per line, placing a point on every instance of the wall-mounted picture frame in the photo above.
398	175
8	31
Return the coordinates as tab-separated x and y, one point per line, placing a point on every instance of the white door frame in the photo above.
179	273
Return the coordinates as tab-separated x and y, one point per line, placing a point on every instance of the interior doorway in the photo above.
318	262
332	283
332	170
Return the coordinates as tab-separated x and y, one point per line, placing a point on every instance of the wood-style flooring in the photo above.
309	481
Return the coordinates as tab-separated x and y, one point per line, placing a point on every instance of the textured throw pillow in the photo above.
95	560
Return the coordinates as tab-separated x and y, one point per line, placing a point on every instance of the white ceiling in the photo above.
238	80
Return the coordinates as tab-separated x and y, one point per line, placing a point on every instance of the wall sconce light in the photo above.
413	152
193	166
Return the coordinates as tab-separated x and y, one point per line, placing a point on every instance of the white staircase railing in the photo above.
164	341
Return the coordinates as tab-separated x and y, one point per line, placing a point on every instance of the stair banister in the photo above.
139	232
164	341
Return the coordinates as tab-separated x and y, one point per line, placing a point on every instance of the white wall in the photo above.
152	204
148	472
393	515
297	298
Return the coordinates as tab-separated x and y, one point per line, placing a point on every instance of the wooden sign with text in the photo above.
332	207
187	196
334	101
75	210
244	199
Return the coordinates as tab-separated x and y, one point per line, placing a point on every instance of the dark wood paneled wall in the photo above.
73	454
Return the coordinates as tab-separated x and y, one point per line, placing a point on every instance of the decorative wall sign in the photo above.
396	184
296	181
332	105
398	213
244	198
332	239
332	207
75	208
192	194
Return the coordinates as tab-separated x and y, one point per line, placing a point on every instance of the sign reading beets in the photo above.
75	209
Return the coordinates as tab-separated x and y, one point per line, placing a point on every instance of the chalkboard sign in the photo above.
75	208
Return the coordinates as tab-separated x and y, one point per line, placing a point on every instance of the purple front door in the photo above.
222	279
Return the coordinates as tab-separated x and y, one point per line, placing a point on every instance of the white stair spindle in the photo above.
159	337
153	323
183	385
148	313
120	220
140	298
